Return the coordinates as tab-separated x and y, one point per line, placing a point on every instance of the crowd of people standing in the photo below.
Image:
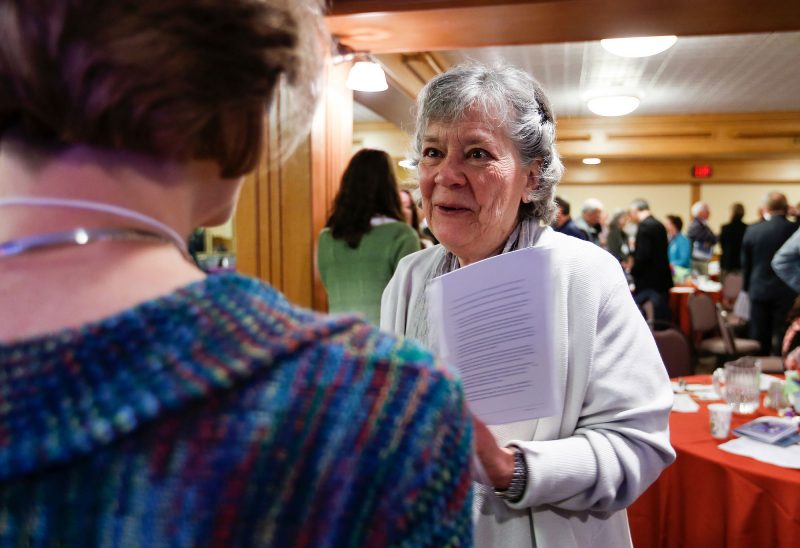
660	255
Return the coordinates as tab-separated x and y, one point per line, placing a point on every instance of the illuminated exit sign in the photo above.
701	171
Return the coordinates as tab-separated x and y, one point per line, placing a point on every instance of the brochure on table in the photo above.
494	322
767	429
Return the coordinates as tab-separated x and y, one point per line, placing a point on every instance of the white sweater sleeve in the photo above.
620	442
786	262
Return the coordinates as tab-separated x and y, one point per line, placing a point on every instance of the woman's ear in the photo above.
532	182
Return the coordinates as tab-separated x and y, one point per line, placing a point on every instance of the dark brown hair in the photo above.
368	189
737	212
676	221
177	79
414	213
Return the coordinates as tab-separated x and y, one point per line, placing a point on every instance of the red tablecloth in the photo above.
711	498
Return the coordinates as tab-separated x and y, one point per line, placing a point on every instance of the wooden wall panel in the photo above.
284	205
331	142
751	135
761	171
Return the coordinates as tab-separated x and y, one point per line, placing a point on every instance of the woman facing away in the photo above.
488	169
145	404
365	236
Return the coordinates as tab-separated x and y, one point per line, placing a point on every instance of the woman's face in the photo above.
472	183
671	230
408	204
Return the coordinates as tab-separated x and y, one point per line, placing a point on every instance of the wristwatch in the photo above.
519	480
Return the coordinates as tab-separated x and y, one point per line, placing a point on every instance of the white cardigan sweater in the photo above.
609	441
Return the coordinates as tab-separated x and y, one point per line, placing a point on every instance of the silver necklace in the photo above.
81	236
77	236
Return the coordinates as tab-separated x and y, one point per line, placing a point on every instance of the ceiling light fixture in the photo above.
613	105
642	46
591	161
367	76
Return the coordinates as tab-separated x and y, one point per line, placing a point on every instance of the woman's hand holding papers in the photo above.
498	462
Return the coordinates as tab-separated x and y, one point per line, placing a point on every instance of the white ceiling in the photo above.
705	74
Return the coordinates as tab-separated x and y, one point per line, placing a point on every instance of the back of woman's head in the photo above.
175	79
508	98
368	189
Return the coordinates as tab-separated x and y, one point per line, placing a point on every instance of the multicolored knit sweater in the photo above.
220	415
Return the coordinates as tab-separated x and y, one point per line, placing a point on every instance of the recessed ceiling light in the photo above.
642	46
613	105
591	161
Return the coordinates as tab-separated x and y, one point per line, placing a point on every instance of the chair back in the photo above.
731	286
675	350
703	313
728	340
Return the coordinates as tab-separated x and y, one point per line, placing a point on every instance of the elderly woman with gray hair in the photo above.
488	169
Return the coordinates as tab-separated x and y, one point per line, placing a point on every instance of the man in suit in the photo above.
650	270
770	297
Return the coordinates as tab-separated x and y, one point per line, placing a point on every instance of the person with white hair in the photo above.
702	237
590	220
488	169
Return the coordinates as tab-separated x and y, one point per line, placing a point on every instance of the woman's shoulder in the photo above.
393	228
346	338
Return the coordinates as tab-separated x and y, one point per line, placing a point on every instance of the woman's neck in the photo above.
155	189
69	286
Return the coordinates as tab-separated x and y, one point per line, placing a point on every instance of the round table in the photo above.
709	497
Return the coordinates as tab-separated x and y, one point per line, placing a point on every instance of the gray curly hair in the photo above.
510	98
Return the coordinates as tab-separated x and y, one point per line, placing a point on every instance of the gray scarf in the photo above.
525	234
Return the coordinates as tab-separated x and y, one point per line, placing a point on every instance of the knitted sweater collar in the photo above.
66	394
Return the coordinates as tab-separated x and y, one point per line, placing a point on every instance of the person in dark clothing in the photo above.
770	297
617	240
730	238
564	222
650	270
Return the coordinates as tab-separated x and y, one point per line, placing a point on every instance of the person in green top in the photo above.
365	236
